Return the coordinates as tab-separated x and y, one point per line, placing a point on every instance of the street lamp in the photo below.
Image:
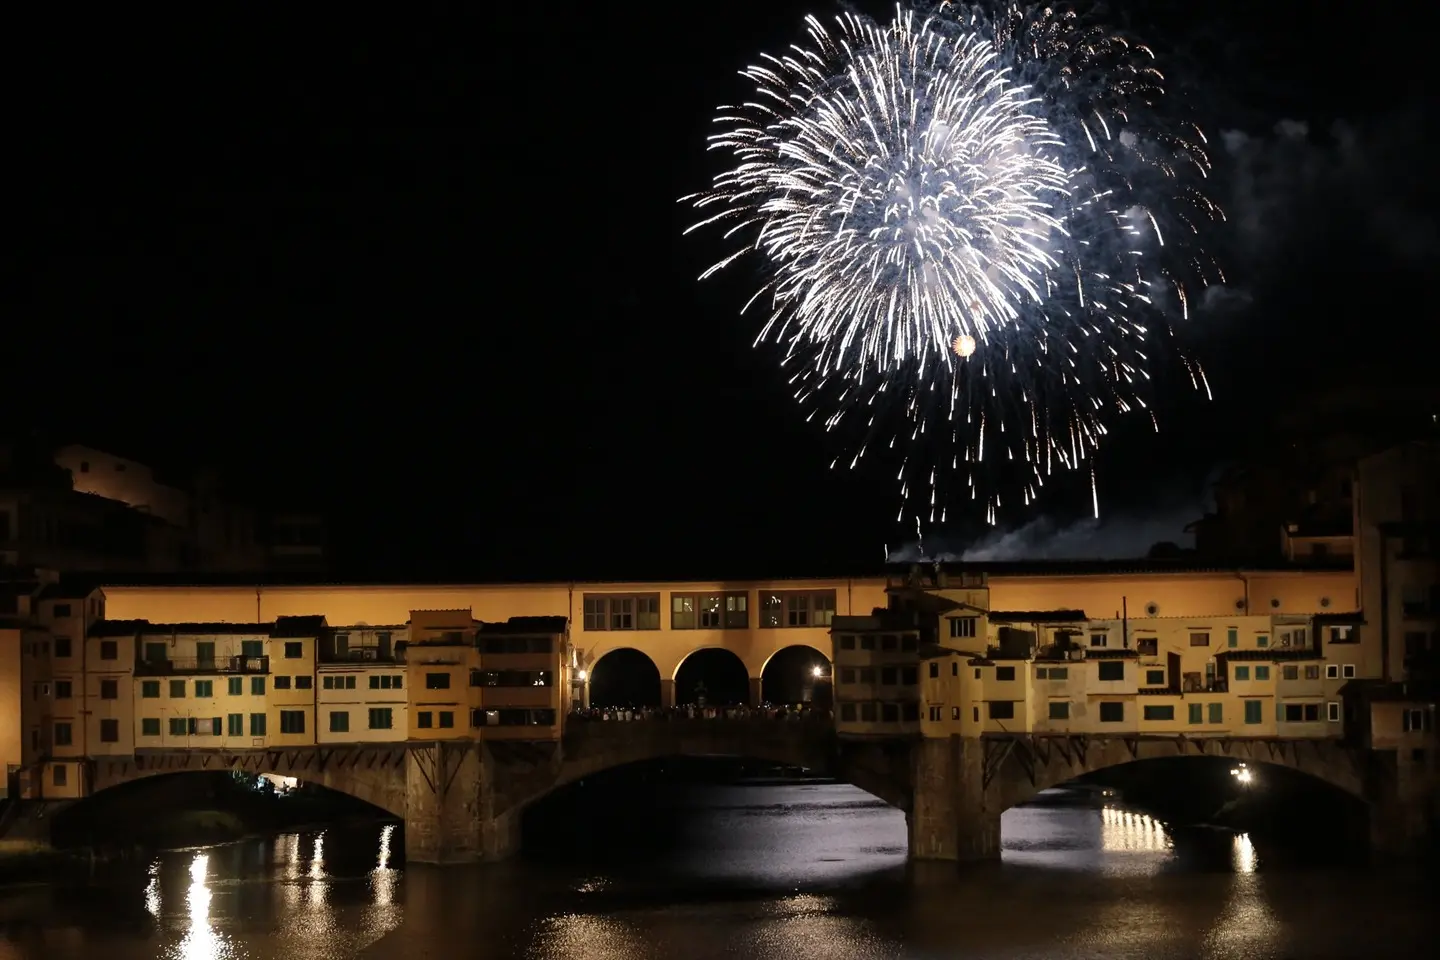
581	675
818	672
1242	774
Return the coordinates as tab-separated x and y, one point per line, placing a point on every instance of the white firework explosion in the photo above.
955	257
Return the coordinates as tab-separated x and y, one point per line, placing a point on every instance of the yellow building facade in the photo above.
1136	655
362	693
667	622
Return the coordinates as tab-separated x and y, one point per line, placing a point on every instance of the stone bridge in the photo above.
962	785
462	800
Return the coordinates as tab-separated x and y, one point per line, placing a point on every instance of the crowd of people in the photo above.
701	711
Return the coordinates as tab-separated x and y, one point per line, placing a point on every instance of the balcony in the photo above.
178	665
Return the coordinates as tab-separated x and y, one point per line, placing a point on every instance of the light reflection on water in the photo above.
790	873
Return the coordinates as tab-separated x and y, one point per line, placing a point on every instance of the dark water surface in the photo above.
763	872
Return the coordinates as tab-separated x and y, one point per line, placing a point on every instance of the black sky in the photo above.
429	273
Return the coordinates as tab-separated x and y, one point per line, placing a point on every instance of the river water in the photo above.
772	872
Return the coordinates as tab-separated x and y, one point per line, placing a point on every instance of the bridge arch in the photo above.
882	770
792	674
721	670
1018	767
375	774
623	677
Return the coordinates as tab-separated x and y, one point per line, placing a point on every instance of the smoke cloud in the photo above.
1119	537
1296	186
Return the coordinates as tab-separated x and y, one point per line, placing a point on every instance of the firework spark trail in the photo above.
961	216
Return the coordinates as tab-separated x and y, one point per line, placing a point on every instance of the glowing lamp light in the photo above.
581	675
964	345
818	672
1242	773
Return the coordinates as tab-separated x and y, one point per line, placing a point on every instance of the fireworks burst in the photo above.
961	218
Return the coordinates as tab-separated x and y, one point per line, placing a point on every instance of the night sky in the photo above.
429	275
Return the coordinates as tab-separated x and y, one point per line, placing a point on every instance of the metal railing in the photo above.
202	665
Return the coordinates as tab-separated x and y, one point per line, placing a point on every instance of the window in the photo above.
1155	678
62	609
1059	709
887	676
204	688
954	668
150	727
847	641
1242	673
847	712
339	721
110	689
1059	673
294	650
1341	634
1000	709
108	650
1415	720
1312	671
935	713
304	682
934	669
63	690
62	647
797	608
909	676
257	724
1232	638
1158	711
622	611
346	682
437	681
252	649
282	683
178	727
62	735
235	686
962	627
1004	673
1332	711
1262	640
292	721
385	681
380	718
709	611
1262	672
1112	711
59	774
1215	713
1332	671
1099	639
422	719
1196	712
1199	639
235	725
1253	711
150	689
1290	672
954	713
257	686
1112	670
889	713
177	689
447	718
1347	671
